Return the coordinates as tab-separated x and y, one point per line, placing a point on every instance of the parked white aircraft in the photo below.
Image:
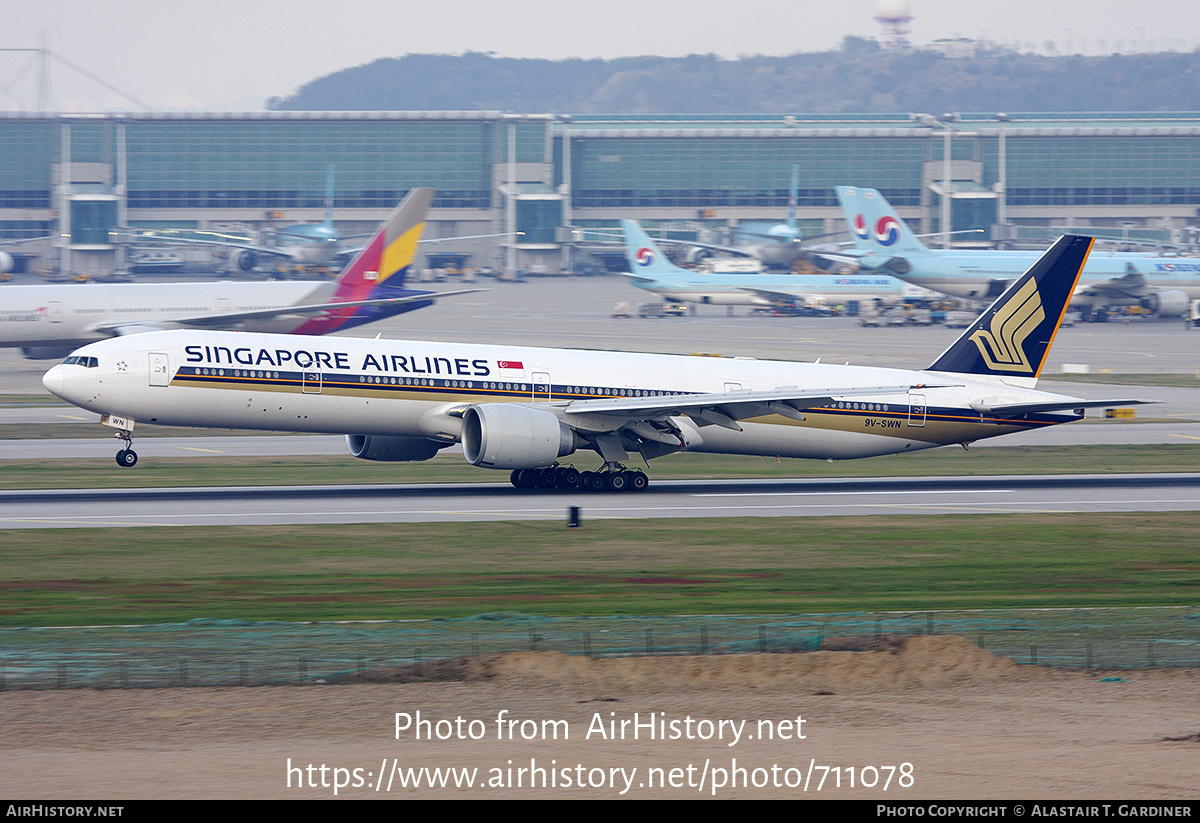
885	244
51	321
522	409
305	244
651	270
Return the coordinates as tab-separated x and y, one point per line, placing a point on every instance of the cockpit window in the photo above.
72	360
86	362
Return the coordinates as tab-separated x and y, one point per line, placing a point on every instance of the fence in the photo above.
223	653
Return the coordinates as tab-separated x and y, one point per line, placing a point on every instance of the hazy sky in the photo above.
231	55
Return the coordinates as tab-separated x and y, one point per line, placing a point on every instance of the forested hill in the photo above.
860	77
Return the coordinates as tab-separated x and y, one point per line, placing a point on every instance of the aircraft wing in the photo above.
772	296
1132	285
1018	409
196	241
26	240
229	320
734	250
348	253
722	409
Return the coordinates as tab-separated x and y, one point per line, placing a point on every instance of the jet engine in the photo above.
392	449
504	436
1167	303
6	261
243	260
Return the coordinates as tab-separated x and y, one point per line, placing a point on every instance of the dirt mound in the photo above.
918	661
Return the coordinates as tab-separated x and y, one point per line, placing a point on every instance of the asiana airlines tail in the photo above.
537	412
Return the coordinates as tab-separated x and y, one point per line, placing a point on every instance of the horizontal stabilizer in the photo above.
230	320
1018	409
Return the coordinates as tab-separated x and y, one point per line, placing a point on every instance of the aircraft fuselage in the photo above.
73	315
420	389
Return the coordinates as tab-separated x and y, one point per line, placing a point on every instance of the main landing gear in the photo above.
126	457
612	477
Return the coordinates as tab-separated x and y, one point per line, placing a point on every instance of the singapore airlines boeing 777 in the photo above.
524	409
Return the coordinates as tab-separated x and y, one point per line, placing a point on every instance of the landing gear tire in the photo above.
617	481
638	481
525	478
127	458
594	482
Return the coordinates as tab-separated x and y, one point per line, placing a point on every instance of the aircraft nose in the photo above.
53	381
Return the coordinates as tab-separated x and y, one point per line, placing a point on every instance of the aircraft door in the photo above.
916	409
541	387
54	311
310	382
160	369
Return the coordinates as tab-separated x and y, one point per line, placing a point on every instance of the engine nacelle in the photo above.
392	449
243	259
1168	303
504	436
6	261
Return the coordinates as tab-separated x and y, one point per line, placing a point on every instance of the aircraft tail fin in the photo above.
793	198
874	224
1013	337
645	258
384	262
327	220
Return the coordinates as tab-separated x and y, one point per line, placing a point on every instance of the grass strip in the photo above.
222	470
652	567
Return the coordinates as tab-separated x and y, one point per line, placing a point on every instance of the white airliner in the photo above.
523	409
51	321
651	270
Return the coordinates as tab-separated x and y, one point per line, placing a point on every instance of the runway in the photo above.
150	448
279	505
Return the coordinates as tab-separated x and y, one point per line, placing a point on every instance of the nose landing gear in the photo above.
126	458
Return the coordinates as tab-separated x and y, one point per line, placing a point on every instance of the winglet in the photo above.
1014	335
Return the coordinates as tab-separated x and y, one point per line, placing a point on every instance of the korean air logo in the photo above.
645	257
860	227
887	230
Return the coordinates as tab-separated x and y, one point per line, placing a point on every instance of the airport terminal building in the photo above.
540	180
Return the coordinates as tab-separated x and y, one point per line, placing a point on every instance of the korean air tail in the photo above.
645	259
1012	338
875	226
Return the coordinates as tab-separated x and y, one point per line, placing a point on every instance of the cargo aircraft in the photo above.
52	320
884	243
525	409
651	270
